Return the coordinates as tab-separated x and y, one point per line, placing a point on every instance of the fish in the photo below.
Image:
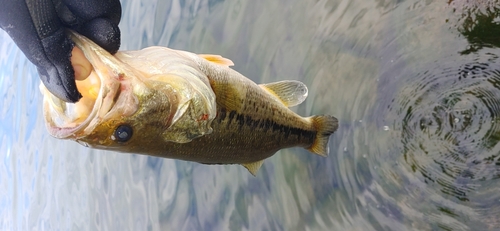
176	104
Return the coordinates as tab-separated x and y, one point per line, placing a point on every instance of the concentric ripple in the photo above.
448	118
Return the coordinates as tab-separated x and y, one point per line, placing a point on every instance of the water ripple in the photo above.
448	126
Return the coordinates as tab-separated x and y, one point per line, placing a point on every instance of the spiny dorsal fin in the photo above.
217	59
254	166
290	92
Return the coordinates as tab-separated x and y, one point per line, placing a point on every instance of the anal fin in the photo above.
253	167
290	92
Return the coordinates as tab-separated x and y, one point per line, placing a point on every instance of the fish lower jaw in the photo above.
63	132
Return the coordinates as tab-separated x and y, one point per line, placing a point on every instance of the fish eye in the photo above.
123	133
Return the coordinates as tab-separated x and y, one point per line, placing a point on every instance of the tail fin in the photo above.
325	126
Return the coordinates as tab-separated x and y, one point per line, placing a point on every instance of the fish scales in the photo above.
241	134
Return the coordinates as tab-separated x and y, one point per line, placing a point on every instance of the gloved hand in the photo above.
38	28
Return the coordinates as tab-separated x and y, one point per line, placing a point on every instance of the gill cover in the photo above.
196	107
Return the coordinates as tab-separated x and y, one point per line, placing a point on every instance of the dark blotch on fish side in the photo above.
268	124
222	114
231	117
241	120
249	121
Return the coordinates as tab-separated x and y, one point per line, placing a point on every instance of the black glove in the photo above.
38	28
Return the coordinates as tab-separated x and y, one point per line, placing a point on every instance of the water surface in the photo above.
415	86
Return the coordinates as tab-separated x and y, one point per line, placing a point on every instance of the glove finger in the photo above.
57	74
44	17
103	32
90	9
56	71
44	44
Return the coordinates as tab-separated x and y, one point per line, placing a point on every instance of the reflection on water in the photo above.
415	86
478	23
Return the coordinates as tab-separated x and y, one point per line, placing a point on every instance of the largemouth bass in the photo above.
176	104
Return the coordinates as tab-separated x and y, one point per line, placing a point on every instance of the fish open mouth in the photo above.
66	120
99	94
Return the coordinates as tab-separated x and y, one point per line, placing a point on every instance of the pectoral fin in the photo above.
188	125
217	59
289	92
193	109
253	167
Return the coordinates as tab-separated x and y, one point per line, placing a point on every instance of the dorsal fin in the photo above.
217	59
290	92
254	166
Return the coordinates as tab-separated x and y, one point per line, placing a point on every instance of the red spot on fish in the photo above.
123	87
203	117
121	76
